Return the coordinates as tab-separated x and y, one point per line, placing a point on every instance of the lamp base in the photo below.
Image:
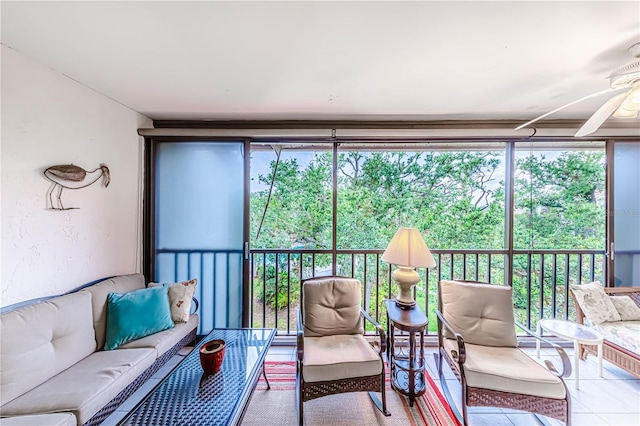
405	305
406	279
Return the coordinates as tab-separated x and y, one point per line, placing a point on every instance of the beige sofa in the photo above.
52	366
621	338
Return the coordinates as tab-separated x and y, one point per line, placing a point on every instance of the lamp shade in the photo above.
407	248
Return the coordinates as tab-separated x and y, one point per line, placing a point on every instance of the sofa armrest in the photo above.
194	302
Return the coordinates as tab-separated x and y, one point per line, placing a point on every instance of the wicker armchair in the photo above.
476	337
333	355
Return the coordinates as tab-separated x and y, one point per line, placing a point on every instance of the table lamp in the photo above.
407	250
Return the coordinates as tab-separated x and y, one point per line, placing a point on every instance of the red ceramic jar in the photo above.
211	355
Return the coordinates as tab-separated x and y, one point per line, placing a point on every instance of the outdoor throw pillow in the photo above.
136	314
595	303
626	307
180	295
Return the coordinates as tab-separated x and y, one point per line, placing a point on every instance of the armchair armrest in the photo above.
300	336
461	356
379	330
566	364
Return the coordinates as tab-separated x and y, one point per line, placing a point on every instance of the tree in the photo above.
453	197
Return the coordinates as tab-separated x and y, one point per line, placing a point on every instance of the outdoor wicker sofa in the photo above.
628	357
54	370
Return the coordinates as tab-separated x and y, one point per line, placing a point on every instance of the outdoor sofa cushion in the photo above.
39	341
86	387
595	303
622	333
626	307
99	293
53	419
180	296
164	340
136	314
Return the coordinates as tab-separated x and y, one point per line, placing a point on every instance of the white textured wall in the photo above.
50	119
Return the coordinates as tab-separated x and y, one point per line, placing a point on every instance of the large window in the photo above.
530	214
559	197
559	225
455	193
291	209
291	196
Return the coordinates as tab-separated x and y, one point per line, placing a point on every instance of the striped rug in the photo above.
277	406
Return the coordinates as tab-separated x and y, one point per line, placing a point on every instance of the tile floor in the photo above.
611	400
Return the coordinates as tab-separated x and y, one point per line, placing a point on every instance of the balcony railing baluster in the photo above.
554	284
541	311
566	285
288	293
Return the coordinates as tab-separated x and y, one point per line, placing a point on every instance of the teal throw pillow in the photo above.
136	314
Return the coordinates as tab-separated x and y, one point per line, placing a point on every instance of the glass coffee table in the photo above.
188	397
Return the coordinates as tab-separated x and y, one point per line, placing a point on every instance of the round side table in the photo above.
578	334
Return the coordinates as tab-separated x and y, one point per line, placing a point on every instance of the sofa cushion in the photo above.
622	333
99	292
54	419
483	311
164	340
507	369
626	307
41	340
331	306
86	387
339	357
595	303
136	314
180	296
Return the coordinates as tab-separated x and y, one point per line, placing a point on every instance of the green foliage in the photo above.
454	197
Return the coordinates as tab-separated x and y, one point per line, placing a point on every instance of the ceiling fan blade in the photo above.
601	115
593	95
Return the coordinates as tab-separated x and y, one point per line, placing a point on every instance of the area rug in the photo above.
277	406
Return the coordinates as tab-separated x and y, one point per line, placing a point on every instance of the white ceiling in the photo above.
332	60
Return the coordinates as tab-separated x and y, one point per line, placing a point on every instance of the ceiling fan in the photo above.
622	105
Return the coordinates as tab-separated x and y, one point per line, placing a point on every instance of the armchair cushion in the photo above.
507	369
339	357
482	313
331	307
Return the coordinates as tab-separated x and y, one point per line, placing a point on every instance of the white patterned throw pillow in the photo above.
595	303
180	295
626	307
